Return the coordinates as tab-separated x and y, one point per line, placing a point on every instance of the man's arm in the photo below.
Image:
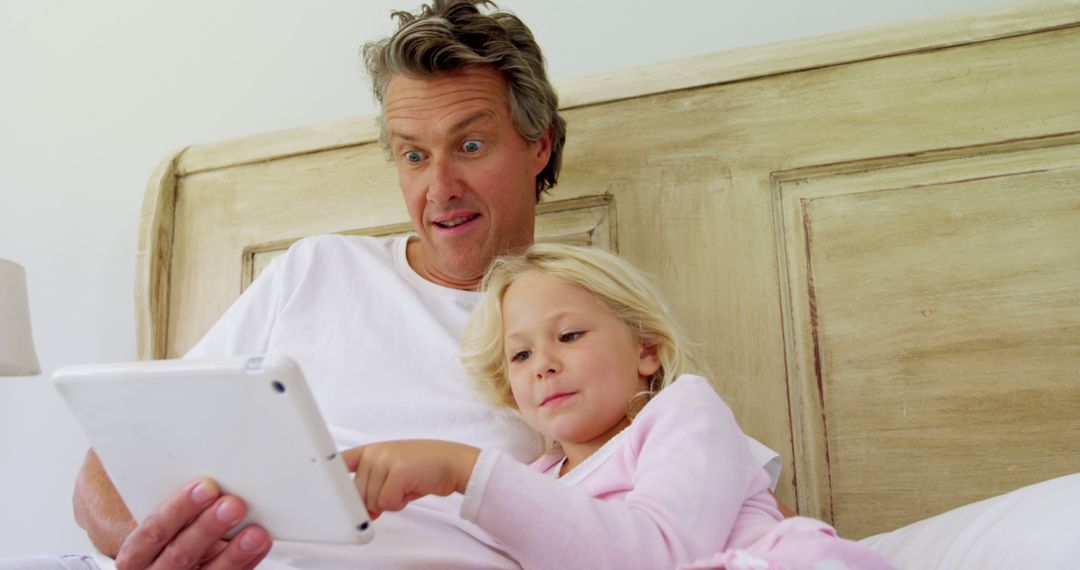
99	510
185	531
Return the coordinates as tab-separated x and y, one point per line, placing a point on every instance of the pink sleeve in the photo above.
689	470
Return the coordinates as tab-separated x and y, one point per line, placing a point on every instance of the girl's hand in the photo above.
391	474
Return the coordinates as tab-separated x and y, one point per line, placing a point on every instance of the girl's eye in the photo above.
413	156
471	146
570	336
520	356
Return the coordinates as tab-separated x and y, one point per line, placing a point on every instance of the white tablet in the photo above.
249	423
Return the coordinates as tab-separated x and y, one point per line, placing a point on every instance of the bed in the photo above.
874	236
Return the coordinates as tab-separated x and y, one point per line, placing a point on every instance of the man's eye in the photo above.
413	156
520	356
570	336
471	146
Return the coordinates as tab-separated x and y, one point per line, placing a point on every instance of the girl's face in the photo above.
573	365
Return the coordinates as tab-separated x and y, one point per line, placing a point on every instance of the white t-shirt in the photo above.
378	345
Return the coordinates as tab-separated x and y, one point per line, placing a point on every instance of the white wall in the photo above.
93	94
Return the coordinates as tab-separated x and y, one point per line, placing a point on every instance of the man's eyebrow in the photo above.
467	121
400	135
457	127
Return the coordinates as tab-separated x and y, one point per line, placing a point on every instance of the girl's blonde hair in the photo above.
617	284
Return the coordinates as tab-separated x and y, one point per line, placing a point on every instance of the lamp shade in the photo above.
17	356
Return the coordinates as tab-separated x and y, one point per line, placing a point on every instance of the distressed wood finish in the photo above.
872	236
153	260
934	307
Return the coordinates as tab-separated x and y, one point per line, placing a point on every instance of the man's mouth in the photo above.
455	222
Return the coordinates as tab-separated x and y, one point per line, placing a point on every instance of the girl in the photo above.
646	466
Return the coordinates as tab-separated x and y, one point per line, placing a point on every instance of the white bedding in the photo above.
1036	527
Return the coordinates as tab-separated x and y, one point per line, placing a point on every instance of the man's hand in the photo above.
391	474
185	531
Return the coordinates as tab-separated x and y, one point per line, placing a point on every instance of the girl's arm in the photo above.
684	475
391	474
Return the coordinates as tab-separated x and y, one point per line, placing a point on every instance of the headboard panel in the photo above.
873	236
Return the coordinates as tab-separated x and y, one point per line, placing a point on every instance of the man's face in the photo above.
468	177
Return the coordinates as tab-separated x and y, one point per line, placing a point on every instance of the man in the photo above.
471	123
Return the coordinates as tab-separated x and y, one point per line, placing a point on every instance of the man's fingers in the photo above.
245	550
161	526
187	531
214	551
195	543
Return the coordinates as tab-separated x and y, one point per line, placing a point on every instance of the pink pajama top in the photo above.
678	487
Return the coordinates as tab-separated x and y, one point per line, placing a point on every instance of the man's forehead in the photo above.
434	97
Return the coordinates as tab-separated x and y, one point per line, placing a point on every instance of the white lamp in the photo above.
17	356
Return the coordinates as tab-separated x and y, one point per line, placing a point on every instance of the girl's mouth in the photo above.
556	399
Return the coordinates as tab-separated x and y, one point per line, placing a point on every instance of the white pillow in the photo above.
1033	527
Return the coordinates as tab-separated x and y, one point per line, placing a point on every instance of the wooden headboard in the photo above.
875	237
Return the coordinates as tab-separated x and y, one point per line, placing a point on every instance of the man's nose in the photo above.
445	184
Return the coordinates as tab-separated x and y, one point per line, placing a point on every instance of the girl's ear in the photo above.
648	361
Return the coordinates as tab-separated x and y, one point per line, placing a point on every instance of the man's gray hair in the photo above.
452	35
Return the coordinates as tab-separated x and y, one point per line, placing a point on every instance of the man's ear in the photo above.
543	151
648	361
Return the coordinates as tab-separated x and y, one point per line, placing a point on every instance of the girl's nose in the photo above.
546	364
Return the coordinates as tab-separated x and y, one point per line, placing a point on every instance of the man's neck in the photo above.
414	254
